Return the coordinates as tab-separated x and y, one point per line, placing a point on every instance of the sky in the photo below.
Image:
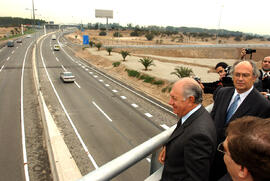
248	16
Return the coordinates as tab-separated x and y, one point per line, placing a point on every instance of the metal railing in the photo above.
128	159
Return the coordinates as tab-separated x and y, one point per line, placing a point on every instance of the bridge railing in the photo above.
128	159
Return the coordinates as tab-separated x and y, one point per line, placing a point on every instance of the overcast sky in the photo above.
238	15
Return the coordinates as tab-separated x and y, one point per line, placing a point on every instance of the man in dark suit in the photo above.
235	102
189	152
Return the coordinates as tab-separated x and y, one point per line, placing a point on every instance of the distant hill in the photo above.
16	21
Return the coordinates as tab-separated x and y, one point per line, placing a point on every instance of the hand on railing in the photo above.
162	155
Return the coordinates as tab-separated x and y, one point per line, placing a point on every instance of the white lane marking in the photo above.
63	68
8	58
100	80
22	121
107	85
102	111
90	72
17	47
134	105
164	126
87	69
2	68
114	91
123	97
69	119
57	59
148	159
148	115
12	52
95	76
77	84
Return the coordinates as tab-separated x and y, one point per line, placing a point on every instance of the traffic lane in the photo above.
52	64
103	139
10	120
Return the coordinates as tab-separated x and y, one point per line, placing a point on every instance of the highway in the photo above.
95	114
21	149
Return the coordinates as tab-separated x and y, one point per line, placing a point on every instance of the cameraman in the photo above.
224	79
264	77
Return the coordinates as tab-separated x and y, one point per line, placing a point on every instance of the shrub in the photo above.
116	64
134	33
117	34
102	33
133	73
109	50
124	54
149	79
142	77
146	62
158	82
91	43
99	45
182	72
149	36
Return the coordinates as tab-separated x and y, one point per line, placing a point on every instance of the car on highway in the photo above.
28	36
53	37
67	77
19	41
56	47
10	43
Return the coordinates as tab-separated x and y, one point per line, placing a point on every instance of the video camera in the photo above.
250	51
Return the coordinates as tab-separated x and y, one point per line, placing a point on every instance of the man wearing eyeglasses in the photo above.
246	149
235	102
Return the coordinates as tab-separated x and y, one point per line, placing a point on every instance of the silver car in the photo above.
67	77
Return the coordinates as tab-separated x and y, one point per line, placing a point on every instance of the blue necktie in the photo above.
232	108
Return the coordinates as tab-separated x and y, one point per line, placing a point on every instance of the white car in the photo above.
53	37
56	47
67	77
28	36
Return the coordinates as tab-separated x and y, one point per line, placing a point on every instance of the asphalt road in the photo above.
109	118
22	153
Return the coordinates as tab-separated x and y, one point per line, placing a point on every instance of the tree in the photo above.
149	36
182	71
146	61
91	43
124	54
109	50
99	45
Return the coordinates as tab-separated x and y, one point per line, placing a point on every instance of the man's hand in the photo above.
162	155
243	53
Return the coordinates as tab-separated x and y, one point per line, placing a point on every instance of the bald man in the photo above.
235	102
189	152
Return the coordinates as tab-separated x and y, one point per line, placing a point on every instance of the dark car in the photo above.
10	43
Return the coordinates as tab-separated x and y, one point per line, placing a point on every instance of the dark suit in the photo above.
253	105
190	149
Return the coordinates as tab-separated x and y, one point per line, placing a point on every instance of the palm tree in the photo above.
146	62
99	45
124	54
182	72
109	50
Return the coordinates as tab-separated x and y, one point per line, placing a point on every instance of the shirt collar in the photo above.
242	95
184	118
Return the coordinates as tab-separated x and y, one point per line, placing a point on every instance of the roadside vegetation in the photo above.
182	72
146	62
124	54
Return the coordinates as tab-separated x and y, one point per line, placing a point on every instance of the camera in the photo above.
250	51
198	79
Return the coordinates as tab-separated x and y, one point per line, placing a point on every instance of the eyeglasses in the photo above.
220	148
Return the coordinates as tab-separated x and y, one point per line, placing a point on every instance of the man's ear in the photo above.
243	172
191	99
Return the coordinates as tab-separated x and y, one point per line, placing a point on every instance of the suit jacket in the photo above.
190	149
253	105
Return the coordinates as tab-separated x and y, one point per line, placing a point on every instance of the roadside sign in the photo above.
85	39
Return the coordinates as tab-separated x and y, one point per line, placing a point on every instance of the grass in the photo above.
18	35
133	73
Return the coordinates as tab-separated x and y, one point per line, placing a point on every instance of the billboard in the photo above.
85	39
103	13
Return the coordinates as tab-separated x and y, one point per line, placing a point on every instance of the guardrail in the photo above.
128	159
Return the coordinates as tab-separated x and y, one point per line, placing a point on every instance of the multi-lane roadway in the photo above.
99	117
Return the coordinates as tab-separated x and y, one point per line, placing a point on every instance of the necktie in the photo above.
232	108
